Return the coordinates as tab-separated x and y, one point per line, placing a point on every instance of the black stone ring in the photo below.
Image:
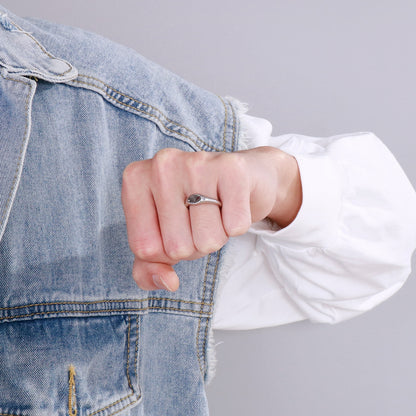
198	199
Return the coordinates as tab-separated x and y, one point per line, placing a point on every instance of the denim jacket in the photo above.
77	335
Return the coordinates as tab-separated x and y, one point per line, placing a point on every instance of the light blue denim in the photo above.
77	336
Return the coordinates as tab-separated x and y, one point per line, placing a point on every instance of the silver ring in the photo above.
198	199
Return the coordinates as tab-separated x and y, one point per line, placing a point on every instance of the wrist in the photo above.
289	195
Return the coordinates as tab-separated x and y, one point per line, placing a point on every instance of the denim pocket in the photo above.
68	366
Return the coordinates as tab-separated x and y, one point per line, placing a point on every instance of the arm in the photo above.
348	249
344	228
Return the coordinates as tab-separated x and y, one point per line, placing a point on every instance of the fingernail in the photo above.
160	282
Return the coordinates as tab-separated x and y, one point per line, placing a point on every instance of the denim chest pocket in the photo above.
70	366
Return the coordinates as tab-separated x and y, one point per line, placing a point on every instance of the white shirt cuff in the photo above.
317	220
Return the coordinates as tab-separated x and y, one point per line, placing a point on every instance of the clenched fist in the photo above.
251	184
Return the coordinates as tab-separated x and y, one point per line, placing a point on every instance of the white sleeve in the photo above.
348	249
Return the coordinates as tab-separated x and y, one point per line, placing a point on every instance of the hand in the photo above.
251	184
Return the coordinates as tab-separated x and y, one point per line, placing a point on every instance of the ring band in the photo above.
198	199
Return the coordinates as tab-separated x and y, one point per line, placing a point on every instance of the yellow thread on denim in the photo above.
147	113
136	352
200	317
150	106
234	127
225	124
212	297
72	402
225	121
128	358
171	121
92	302
104	311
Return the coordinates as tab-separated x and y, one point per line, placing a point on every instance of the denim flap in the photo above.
22	54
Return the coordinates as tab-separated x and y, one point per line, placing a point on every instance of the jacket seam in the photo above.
162	118
202	360
200	318
210	309
93	302
22	147
202	365
106	311
150	106
225	124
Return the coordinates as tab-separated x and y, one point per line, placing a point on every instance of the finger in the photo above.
207	230
154	276
141	218
234	193
169	198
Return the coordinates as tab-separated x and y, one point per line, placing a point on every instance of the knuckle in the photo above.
133	173
196	162
143	250
129	172
237	230
240	162
166	156
238	224
139	274
177	251
166	152
164	161
211	245
236	167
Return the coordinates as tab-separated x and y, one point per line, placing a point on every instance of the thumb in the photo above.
154	276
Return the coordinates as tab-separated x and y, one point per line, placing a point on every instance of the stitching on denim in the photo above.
45	51
200	317
127	372
204	341
201	312
154	108
210	311
234	127
72	403
142	111
16	174
225	122
197	345
110	97
135	368
136	353
128	356
128	378
93	302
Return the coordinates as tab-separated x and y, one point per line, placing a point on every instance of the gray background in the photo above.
310	67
